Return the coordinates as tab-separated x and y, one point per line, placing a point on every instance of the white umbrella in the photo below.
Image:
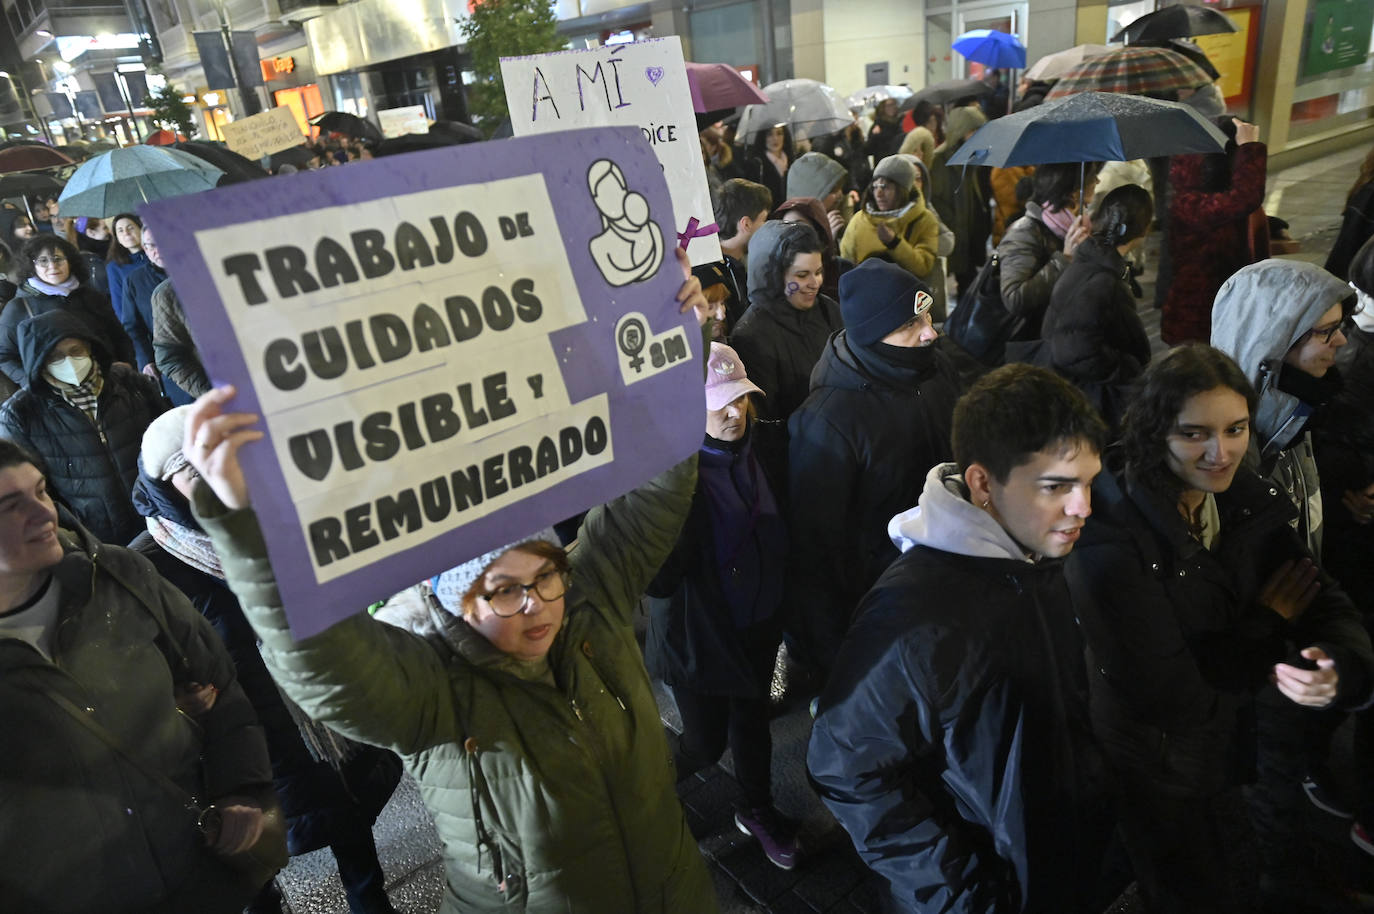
866	98
1053	66
806	107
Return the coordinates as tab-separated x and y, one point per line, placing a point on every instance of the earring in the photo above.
986	502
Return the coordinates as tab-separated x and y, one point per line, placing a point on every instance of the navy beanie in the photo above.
877	297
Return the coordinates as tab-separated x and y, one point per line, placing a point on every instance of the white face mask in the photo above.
71	370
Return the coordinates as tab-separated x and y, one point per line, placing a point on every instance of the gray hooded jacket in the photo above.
946	520
1260	312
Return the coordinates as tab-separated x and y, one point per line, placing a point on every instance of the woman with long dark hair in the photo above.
1092	332
123	257
1195	593
771	154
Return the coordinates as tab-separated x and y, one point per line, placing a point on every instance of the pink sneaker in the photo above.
775	836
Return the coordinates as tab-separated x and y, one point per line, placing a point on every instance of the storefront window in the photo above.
1335	87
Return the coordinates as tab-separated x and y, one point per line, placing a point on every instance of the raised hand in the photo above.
212	442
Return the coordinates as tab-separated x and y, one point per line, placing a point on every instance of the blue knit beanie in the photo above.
877	297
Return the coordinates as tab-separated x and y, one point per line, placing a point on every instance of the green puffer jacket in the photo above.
81	828
562	794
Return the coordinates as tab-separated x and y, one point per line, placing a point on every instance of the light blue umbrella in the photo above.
992	49
120	180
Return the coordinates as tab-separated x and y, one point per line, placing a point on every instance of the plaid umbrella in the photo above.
1132	71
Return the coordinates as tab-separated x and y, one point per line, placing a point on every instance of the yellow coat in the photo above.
918	232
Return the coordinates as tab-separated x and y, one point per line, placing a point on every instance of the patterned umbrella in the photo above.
1132	71
807	107
1053	66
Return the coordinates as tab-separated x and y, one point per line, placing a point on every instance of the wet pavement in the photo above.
830	877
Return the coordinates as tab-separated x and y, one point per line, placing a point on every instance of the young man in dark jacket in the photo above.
100	763
879	413
952	740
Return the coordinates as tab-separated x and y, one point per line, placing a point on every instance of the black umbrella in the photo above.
349	125
296	156
24	183
1181	21
951	90
412	142
456	131
236	168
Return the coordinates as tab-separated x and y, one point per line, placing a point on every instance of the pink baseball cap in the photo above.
725	378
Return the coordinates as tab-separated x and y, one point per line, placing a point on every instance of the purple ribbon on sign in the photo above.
684	238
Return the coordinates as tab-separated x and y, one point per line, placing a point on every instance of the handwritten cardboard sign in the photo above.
400	121
263	134
450	350
641	85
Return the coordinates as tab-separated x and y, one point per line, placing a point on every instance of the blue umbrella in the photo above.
1091	127
121	180
992	48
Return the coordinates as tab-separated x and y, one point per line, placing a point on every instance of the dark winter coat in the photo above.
859	449
696	640
778	344
1208	237
83	829
115	275
952	739
175	348
1357	227
1031	258
90	466
139	323
1180	644
960	198
1092	332
92	307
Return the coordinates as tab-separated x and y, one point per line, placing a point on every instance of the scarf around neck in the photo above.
1056	220
62	289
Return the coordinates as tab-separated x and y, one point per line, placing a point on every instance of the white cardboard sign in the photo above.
642	85
263	134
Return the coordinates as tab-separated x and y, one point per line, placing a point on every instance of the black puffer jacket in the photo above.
1180	643
1092	332
90	466
1032	260
92	307
859	450
778	344
952	739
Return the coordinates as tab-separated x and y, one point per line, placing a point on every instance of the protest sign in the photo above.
400	121
641	85
450	350
263	134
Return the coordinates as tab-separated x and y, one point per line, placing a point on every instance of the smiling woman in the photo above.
1189	582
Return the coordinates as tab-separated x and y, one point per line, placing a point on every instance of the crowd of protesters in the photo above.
1050	599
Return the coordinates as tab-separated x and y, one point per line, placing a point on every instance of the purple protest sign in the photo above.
450	349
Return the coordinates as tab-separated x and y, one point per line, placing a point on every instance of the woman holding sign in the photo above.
526	716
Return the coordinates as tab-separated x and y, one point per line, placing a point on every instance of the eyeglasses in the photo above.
53	261
1325	334
512	599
